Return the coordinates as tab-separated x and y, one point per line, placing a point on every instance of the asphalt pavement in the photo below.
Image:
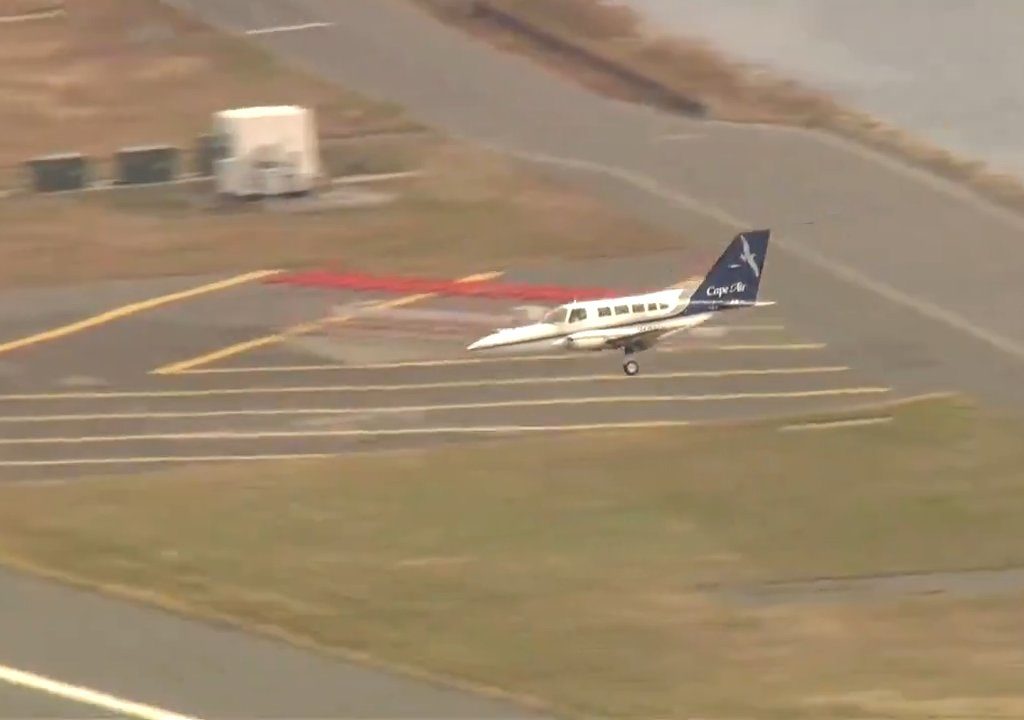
912	273
385	379
889	283
183	670
87	402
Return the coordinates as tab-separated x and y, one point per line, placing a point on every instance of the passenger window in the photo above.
621	309
652	306
604	312
638	308
577	314
663	306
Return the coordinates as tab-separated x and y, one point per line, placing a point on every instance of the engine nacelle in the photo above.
586	343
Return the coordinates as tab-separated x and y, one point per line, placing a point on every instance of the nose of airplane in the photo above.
512	336
482	343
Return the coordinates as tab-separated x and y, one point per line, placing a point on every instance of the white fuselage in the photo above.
593	324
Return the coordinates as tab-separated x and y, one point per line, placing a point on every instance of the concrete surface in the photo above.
946	70
914	272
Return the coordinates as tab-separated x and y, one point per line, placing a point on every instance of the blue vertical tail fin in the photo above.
734	279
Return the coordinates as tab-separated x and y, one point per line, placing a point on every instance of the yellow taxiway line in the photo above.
132	309
301	329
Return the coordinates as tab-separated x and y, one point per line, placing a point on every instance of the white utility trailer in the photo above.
266	151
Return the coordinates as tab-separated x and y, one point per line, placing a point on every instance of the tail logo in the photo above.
720	292
748	257
728	283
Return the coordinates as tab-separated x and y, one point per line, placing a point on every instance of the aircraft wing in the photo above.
616	338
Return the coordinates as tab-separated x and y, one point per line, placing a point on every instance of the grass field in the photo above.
469	211
117	73
611	574
731	90
114	73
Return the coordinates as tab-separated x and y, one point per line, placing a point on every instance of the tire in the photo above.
631	367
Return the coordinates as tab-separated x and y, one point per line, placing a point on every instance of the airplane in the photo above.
636	323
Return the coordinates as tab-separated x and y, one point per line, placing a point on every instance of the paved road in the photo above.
910	273
136	654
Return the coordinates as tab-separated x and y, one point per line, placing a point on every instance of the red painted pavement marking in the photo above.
395	284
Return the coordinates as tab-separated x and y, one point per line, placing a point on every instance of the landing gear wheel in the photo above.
631	367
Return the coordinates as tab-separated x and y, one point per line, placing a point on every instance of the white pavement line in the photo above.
454	362
374	177
463	429
85	696
288	28
837	269
363	387
679	348
836	424
29	17
695	332
157	459
326	411
271	434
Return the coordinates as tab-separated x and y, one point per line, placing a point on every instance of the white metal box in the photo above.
266	150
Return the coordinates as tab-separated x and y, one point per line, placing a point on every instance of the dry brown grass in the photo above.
731	90
469	211
114	73
575	568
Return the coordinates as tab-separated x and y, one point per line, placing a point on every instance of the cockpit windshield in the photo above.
556	316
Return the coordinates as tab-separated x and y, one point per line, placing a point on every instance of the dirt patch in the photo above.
604	46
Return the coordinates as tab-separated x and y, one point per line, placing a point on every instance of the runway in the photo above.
151	665
908	272
94	401
402	378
